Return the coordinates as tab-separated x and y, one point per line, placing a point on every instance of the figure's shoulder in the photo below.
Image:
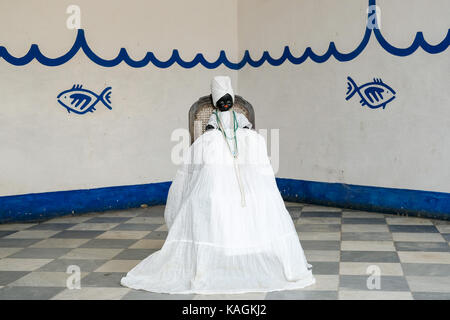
243	121
239	114
213	115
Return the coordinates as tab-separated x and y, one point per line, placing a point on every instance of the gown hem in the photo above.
310	280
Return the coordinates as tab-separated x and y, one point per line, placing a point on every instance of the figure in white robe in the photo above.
229	229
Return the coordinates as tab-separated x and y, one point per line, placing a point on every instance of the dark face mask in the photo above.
225	103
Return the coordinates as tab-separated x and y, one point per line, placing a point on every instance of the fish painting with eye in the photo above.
374	94
79	100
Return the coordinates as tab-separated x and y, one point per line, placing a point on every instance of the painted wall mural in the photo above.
79	100
374	94
371	28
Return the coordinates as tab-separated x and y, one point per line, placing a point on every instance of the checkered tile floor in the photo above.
411	254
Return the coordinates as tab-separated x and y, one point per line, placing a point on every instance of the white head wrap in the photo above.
220	86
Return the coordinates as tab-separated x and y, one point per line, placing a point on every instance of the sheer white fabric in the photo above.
214	245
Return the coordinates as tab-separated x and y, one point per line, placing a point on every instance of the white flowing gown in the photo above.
214	244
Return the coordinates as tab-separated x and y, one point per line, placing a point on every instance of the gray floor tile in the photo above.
308	207
369	256
107	220
134	254
92	293
366	236
361	214
413	228
152	213
230	296
295	206
429	284
125	213
43	279
302	295
109	243
103	279
59	243
322	255
40	253
426	269
364	220
78	234
325	267
320	245
318	227
431	296
147	295
61	265
387	283
367	246
93	226
123	234
92	253
417	237
295	215
408	221
295	212
149	220
28	293
4	233
157	235
364	228
15	226
322	236
424	257
321	214
315	220
73	218
52	226
32	234
5	252
446	236
438	222
136	227
364	268
422	246
17	243
7	277
443	228
374	295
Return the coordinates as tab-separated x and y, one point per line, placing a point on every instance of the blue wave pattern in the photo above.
81	43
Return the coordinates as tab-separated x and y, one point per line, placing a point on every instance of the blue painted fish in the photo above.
374	94
81	100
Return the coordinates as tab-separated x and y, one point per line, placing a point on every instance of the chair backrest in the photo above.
202	109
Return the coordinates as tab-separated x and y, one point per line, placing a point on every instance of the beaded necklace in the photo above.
234	123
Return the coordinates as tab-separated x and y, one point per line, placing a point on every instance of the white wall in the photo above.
44	148
323	137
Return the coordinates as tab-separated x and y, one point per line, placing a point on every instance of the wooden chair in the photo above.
202	109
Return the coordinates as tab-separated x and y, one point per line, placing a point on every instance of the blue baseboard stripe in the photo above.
41	206
367	198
